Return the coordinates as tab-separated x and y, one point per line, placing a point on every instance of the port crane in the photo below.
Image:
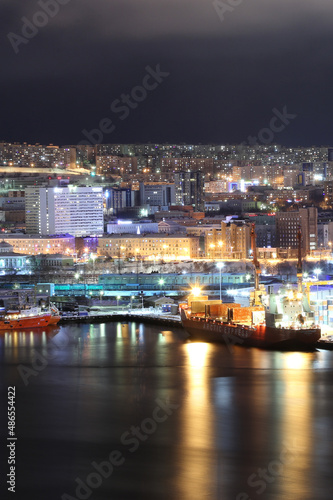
257	294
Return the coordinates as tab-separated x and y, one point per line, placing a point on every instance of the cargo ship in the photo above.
32	317
273	320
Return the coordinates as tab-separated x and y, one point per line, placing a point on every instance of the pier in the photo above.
150	317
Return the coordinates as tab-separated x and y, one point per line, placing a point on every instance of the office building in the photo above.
189	189
117	199
77	211
288	223
157	194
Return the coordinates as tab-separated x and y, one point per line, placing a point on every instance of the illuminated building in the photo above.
116	165
74	210
35	244
157	194
189	189
288	223
230	241
236	239
129	227
27	155
10	260
155	247
117	199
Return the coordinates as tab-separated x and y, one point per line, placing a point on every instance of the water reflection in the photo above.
296	424
196	456
238	410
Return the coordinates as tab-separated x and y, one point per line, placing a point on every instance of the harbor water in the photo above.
131	411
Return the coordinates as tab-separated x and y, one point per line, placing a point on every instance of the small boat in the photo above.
32	317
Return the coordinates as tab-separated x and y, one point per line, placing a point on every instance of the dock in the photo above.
150	317
139	316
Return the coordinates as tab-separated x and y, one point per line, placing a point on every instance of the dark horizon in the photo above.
226	72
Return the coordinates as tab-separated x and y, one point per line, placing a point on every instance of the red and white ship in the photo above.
32	317
282	320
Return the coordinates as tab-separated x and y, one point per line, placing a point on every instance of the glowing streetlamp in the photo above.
196	291
118	298
161	282
220	265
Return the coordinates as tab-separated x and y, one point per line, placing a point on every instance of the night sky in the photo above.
227	72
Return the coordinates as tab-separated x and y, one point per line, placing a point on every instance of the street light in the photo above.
161	282
220	265
118	298
196	291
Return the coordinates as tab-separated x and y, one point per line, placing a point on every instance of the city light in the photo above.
196	291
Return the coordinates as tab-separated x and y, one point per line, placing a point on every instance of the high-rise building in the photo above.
71	210
236	240
157	194
189	189
288	223
117	199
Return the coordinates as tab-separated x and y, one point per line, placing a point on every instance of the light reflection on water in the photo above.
196	453
238	409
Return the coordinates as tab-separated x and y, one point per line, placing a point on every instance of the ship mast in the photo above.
299	262
257	270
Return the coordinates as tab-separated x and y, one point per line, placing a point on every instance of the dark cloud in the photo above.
225	77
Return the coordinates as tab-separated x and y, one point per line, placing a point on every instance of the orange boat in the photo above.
33	317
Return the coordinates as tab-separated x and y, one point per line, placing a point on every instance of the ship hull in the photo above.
54	320
37	321
260	336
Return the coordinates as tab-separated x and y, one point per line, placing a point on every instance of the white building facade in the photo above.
70	210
